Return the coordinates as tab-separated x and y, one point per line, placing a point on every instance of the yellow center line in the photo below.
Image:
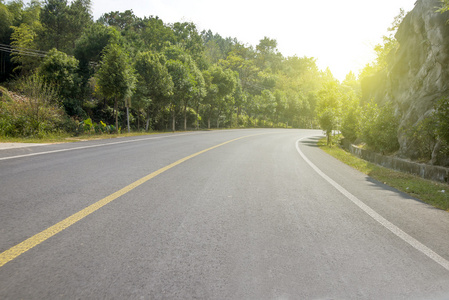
35	240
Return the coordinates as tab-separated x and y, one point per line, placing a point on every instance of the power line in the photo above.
15	47
22	51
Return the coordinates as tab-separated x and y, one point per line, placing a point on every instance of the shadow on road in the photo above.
311	142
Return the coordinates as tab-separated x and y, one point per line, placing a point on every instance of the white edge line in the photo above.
384	222
95	146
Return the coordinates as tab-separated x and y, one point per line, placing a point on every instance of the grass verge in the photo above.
67	138
433	193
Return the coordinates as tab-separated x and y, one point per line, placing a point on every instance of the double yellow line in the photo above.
35	240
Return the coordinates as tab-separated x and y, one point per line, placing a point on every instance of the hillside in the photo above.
417	76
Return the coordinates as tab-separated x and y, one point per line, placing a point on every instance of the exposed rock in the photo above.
418	74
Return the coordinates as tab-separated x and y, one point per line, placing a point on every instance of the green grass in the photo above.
427	191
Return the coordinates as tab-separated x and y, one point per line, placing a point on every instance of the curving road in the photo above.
234	214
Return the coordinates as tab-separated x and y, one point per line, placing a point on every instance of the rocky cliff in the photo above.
418	74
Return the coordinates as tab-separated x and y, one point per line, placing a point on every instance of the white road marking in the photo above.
95	146
384	222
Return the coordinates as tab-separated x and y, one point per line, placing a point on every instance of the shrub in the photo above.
35	114
425	136
442	117
350	125
379	127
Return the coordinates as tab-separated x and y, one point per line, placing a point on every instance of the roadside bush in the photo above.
379	127
350	125
442	117
35	114
425	136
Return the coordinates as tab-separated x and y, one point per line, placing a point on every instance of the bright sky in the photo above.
339	34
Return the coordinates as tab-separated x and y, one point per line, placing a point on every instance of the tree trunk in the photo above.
173	120
208	119
116	114
230	118
218	119
127	118
238	115
138	121
198	117
185	117
147	125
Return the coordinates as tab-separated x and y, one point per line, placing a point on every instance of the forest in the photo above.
62	71
169	76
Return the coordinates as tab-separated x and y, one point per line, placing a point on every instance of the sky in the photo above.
340	34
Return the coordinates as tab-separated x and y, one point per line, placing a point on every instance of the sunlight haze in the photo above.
339	34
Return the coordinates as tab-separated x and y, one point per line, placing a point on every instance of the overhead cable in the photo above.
22	51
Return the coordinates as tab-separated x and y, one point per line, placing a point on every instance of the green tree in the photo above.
267	105
115	78
220	85
120	20
23	38
157	35
268	57
197	94
5	24
154	84
181	87
327	121
63	24
188	38
90	45
329	107
60	70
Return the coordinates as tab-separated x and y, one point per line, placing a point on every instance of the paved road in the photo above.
266	216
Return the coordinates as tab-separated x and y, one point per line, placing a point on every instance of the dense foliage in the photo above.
170	76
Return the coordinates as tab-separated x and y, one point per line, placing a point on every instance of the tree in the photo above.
23	37
188	38
154	83
327	123
267	105
63	24
350	114
120	20
5	24
220	84
182	86
90	45
115	78
60	70
268	57
157	35
329	107
198	92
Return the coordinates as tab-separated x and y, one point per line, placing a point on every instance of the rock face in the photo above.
418	73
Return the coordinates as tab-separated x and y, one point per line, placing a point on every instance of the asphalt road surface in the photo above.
233	214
